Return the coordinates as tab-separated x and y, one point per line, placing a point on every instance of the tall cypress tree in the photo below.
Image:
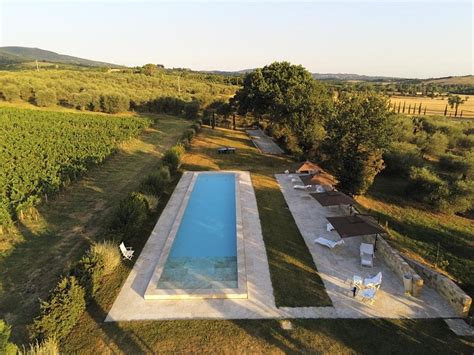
446	110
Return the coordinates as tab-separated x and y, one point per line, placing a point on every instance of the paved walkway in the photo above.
460	327
340	264
263	142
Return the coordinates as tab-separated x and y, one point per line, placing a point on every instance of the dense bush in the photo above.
45	97
10	93
114	103
130	215
434	144
156	182
98	262
455	164
425	186
191	110
60	312
172	157
400	157
6	347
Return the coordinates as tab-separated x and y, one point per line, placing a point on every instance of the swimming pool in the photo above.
204	251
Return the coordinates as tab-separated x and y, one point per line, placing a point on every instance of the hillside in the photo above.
453	80
10	56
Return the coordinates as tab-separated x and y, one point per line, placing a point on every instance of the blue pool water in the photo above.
204	252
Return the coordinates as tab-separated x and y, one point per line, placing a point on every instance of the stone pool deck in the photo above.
338	265
260	303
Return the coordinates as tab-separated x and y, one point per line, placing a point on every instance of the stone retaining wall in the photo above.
396	263
456	297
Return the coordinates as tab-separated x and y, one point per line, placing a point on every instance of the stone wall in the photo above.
396	262
456	297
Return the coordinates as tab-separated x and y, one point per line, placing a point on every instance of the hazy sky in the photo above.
406	39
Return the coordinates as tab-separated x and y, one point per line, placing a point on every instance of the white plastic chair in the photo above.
368	295
127	252
328	243
373	282
367	254
329	227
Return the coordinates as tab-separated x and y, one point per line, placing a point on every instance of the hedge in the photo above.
130	215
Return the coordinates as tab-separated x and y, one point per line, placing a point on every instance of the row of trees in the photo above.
110	92
41	151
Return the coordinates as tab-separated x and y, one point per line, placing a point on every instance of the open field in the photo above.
435	106
41	250
418	232
285	252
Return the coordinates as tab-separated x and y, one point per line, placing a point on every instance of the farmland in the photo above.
434	106
42	151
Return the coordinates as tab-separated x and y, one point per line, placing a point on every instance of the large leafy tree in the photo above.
357	134
289	97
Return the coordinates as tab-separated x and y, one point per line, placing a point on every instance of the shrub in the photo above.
172	157
10	93
6	347
130	214
461	196
45	97
191	110
156	183
435	144
466	142
81	101
401	157
48	346
100	260
457	165
60	312
426	186
114	103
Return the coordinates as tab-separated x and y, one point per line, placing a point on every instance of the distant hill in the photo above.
352	77
453	80
17	55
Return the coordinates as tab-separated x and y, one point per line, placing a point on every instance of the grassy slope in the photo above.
44	248
342	336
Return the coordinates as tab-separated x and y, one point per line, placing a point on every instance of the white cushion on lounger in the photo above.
328	243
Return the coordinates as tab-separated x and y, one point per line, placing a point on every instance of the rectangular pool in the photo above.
204	251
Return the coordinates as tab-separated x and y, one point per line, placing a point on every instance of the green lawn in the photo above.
285	246
418	231
39	251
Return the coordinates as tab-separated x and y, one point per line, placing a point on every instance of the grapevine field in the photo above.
41	151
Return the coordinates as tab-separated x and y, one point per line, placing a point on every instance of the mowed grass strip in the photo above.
44	248
295	280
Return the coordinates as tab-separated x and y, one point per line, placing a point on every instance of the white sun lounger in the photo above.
302	187
367	254
373	282
328	243
127	252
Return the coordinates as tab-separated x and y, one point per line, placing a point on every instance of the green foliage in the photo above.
45	97
44	150
288	96
426	186
114	103
156	91
130	215
6	347
191	110
463	166
100	260
60	312
400	157
357	135
157	182
10	93
172	157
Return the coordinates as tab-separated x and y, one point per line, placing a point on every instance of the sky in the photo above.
403	39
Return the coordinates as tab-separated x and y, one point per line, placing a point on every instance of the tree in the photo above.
357	135
150	69
288	96
454	101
